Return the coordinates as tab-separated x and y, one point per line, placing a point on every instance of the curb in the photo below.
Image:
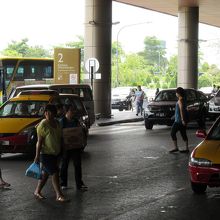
119	121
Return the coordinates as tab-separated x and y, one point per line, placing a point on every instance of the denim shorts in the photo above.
49	163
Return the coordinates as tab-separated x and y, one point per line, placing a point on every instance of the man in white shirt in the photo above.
139	97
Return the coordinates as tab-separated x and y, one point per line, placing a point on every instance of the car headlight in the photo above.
200	162
148	108
211	102
172	109
85	117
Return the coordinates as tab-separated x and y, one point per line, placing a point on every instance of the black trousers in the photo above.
178	127
75	155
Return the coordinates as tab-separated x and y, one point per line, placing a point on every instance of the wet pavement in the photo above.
119	117
130	175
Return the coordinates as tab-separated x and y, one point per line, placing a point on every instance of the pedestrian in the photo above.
60	111
214	89
130	98
2	182
48	148
70	121
139	97
181	119
157	91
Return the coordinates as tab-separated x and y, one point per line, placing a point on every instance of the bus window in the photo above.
33	71
20	73
9	71
47	72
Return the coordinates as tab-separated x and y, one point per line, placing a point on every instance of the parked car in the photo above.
162	109
120	98
82	90
204	163
214	106
19	117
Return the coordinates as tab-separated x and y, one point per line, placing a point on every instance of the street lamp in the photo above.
117	52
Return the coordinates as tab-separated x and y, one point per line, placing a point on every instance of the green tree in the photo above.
17	48
171	73
77	44
22	49
154	52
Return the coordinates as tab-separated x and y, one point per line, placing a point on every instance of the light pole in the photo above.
117	52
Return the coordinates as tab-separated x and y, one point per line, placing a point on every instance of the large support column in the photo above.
98	35
188	47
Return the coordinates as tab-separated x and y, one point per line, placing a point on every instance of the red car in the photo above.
204	163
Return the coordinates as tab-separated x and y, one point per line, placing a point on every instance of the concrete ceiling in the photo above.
209	10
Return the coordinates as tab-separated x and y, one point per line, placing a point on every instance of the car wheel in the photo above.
128	107
148	124
120	109
198	188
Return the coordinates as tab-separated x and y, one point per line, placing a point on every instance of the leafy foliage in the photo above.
149	67
22	49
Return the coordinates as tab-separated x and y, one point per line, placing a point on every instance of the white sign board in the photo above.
92	63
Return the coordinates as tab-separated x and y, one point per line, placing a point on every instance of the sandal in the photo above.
62	199
39	196
4	184
174	150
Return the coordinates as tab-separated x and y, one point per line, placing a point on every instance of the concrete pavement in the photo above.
119	117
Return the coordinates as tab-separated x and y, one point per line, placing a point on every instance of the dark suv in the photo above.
162	109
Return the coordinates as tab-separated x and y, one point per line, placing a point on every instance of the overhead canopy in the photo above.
208	9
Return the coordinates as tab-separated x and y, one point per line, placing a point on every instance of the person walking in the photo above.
2	182
157	91
48	148
181	118
70	121
130	98
139	97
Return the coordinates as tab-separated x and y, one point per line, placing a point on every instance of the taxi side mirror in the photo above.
201	134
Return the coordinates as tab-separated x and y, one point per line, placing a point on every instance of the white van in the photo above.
82	90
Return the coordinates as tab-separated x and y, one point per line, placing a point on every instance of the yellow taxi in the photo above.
204	163
18	118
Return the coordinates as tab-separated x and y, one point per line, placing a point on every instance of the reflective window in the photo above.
168	95
47	72
20	72
215	132
23	109
191	95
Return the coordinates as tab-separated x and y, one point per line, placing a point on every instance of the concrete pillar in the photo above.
98	38
188	47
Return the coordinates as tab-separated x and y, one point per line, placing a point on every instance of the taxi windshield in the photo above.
214	133
23	109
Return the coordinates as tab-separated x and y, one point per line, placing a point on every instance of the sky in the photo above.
55	22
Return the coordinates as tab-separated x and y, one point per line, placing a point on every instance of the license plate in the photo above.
216	109
4	142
